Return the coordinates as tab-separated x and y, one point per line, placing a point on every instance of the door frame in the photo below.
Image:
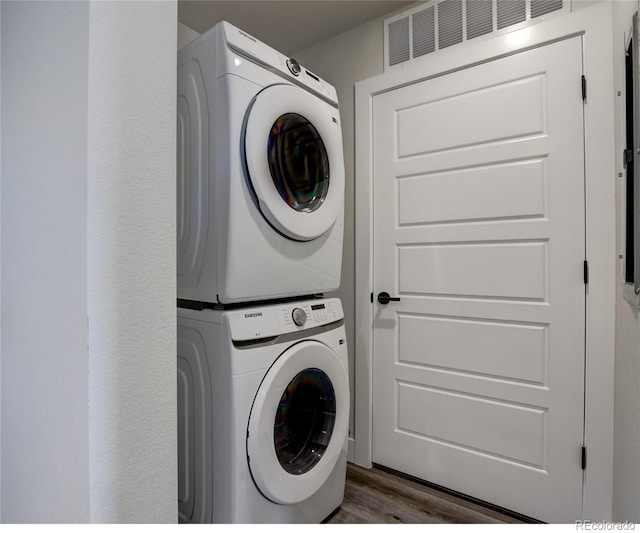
595	26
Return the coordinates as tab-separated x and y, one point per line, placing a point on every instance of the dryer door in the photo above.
293	151
298	423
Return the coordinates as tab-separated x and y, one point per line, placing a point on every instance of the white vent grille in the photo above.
511	12
440	24
542	7
449	23
399	41
424	31
479	18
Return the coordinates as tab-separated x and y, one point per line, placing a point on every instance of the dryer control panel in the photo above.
273	320
288	67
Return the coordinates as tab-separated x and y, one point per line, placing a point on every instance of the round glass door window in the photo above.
298	162
304	421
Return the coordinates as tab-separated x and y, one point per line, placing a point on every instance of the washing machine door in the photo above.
298	423
293	155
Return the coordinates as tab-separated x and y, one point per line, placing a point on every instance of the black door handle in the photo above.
384	298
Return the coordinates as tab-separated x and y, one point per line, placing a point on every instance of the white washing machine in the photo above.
260	173
263	408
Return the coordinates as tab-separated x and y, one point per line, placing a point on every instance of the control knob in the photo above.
299	316
294	66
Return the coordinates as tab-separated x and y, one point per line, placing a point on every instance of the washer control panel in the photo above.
310	314
273	320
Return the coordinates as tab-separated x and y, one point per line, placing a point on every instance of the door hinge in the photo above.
584	458
584	87
371	297
586	272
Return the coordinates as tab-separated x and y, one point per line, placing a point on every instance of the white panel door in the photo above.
479	229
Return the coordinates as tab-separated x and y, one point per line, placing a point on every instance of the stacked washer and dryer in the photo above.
263	389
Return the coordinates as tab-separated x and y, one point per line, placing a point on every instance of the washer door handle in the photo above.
384	298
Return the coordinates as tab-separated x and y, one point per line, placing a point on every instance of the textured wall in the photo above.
88	386
45	464
131	261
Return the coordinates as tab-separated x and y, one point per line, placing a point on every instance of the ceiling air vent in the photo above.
439	24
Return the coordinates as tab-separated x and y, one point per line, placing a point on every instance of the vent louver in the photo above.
440	24
424	31
479	18
511	12
542	7
399	41
449	23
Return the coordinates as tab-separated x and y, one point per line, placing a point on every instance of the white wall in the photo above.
185	35
626	488
131	261
45	439
88	387
0	268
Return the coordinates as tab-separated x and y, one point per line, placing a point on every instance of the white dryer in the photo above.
263	408
260	173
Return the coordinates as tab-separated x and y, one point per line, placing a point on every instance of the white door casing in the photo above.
595	34
479	229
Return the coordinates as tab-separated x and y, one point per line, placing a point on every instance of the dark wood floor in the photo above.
373	496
